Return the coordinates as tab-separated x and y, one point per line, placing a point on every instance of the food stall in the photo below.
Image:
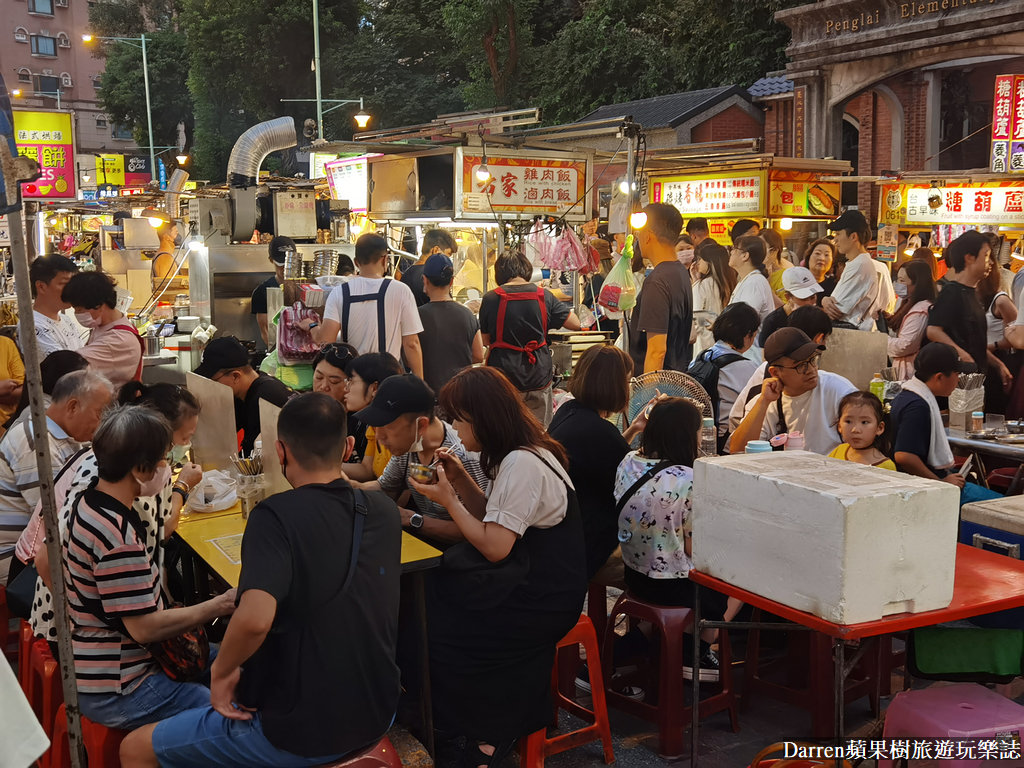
791	195
933	211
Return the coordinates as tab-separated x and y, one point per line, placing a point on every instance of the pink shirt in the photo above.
115	350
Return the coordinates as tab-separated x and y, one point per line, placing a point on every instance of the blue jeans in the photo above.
972	492
203	737
155	698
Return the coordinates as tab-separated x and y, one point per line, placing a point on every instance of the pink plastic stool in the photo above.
960	711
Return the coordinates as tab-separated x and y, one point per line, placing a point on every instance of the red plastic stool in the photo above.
24	651
538	745
44	693
102	744
381	755
669	711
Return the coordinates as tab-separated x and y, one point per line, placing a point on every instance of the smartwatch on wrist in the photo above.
416	520
313	325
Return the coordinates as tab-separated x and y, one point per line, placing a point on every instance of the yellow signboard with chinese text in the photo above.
48	138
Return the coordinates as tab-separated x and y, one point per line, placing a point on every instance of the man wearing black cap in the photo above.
402	413
865	288
434	241
372	312
226	361
451	338
920	445
280	246
796	397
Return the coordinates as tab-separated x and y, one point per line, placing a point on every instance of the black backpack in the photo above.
705	372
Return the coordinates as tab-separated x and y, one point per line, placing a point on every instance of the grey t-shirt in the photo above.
446	340
394	479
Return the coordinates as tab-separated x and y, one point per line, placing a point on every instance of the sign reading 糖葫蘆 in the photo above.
1007	155
47	137
988	204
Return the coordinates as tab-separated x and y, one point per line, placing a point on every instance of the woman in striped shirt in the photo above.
115	599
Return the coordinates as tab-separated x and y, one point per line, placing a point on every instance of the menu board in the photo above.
349	179
48	138
711	195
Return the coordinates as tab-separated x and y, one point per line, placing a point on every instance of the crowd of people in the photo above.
404	431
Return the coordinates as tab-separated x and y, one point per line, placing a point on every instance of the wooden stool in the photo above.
669	712
538	745
102	744
380	755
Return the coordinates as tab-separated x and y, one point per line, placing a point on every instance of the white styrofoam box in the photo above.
843	541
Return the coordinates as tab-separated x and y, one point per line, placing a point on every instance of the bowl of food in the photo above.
421	473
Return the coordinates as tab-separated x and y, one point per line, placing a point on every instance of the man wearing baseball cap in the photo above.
451	337
403	416
434	241
920	445
796	397
226	361
865	288
801	291
280	247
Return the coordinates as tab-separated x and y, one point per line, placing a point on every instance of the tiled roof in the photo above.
770	86
666	111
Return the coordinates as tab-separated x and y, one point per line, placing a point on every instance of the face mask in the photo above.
901	289
179	453
86	320
157	483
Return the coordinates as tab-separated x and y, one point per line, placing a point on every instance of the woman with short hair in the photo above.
492	649
115	601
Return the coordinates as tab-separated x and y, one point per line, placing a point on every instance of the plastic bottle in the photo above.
795	441
877	387
708	438
758	446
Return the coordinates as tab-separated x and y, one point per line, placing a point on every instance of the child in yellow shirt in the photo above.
862	425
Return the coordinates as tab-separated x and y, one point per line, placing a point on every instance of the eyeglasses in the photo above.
804	367
337	354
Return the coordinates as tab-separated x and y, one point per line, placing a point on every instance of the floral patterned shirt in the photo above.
653	521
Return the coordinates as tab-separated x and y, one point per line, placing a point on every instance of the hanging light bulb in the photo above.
638	220
483	173
624	187
785	224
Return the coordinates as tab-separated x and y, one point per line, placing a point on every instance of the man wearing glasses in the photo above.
796	397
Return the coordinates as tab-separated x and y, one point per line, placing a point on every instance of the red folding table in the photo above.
984	582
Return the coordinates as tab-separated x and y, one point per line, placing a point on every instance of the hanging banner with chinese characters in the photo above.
1000	203
535	184
1007	155
711	195
48	138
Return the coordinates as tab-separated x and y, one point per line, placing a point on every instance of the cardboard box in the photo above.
840	540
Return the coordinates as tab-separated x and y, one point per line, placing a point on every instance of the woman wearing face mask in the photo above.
916	291
114	347
713	283
115	598
159	509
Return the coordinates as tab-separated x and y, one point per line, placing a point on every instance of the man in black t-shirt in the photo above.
450	338
434	241
226	361
280	246
957	317
659	329
307	666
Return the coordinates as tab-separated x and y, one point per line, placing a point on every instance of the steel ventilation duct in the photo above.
254	145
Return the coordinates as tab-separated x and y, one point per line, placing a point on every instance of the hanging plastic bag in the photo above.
618	293
539	246
295	345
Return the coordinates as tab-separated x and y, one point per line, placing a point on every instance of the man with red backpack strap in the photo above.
114	347
514	321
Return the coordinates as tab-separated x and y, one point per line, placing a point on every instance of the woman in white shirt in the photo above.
916	291
713	284
747	258
492	645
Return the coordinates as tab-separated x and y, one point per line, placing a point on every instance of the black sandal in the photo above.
474	757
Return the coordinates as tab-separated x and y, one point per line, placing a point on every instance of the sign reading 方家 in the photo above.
992	203
530	185
711	195
48	138
1007	154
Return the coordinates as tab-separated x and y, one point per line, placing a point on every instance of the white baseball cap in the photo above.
799	282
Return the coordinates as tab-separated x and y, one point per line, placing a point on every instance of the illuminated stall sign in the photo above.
48	138
1000	203
348	179
711	195
524	184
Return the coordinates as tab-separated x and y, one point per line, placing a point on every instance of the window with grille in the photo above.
41	7
44	46
24	75
21	35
